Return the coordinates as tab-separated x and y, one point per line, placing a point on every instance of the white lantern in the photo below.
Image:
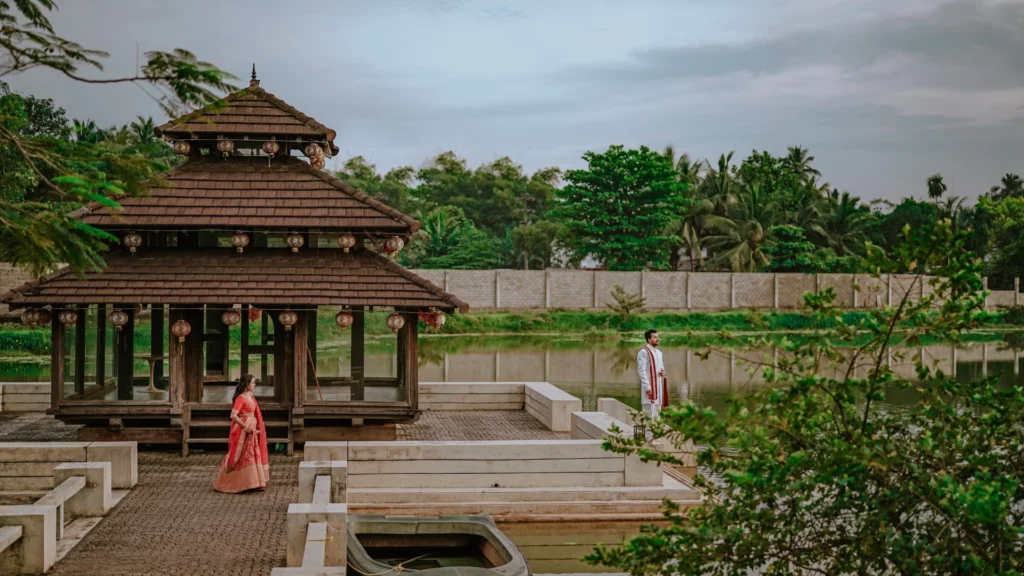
231	317
270	147
343	319
295	241
182	148
240	240
118	318
393	245
132	241
288	319
30	317
67	317
395	322
226	147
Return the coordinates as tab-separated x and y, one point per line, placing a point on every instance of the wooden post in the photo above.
158	332
126	357
176	363
101	344
80	328
643	285
56	361
193	357
243	340
284	361
311	339
411	368
888	289
359	351
264	341
853	289
296	394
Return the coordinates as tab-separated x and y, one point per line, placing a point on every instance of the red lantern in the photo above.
240	240
288	319
132	241
181	329
393	245
395	322
231	317
118	318
295	241
254	313
67	317
343	319
437	320
346	241
30	317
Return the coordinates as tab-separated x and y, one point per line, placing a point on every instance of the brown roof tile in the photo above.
239	192
210	276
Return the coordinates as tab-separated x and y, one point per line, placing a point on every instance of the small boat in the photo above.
437	546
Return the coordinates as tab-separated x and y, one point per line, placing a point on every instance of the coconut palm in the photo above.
798	160
739	236
690	172
87	132
936	187
1011	185
144	131
844	225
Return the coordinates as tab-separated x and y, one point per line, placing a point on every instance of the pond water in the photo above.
592	370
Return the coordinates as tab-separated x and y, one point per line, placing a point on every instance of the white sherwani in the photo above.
651	393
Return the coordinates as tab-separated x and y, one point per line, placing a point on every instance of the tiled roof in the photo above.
250	192
258	276
252	111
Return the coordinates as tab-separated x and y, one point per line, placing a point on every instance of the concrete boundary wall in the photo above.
702	291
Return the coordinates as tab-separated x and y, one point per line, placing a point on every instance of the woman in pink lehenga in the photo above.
247	463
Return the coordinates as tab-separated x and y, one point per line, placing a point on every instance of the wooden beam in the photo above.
126	357
80	328
157	334
358	352
101	343
56	361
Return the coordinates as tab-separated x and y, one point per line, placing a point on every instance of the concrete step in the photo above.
226	423
458	495
582	507
225	440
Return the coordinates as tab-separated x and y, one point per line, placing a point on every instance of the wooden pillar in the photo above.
300	339
358	352
101	344
156	347
56	361
408	361
284	363
126	357
80	328
193	357
176	362
264	340
243	340
311	345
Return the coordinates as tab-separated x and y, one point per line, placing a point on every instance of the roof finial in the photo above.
254	81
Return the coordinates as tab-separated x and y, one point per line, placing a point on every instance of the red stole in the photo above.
652	370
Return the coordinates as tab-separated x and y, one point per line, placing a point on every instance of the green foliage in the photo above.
626	304
35	342
617	210
1006	238
790	251
536	242
812	476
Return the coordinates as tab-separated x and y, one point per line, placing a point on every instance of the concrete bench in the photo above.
472	395
297	526
687	453
597	425
26	468
551	406
24	397
58	496
336	474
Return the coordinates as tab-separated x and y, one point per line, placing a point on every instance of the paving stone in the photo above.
486	425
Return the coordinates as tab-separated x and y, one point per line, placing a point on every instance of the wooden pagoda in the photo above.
247	237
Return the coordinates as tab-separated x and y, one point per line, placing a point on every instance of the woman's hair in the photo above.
243	383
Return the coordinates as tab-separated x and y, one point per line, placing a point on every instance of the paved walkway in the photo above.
173	523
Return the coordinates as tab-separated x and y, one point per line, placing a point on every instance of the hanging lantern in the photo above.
132	241
313	150
181	329
118	318
288	319
240	240
437	320
231	317
44	317
317	162
395	321
226	147
30	317
343	319
295	241
270	147
182	148
254	313
346	241
67	317
393	245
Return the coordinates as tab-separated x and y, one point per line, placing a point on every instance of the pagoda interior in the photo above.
246	258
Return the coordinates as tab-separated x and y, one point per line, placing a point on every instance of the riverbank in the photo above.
693	329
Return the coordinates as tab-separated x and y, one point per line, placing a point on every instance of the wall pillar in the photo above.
56	360
888	290
547	289
689	290
595	288
732	289
775	287
1016	291
497	288
853	289
984	286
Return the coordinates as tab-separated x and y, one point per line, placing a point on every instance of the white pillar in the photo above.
497	366
775	283
853	289
497	289
732	289
547	289
689	290
595	288
888	290
1016	291
984	359
984	286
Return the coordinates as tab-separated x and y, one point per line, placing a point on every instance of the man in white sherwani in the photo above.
653	387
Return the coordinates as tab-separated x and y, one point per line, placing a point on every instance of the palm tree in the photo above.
144	131
798	160
690	172
740	235
845	224
936	187
88	132
1010	186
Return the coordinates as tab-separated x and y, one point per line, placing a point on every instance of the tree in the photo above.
845	224
908	213
618	209
1007	238
41	234
789	251
626	304
936	187
393	188
536	242
1011	185
739	236
798	160
814	477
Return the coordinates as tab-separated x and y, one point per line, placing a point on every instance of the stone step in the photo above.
226	423
592	508
225	440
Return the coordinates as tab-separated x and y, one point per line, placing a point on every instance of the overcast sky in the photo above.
883	92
